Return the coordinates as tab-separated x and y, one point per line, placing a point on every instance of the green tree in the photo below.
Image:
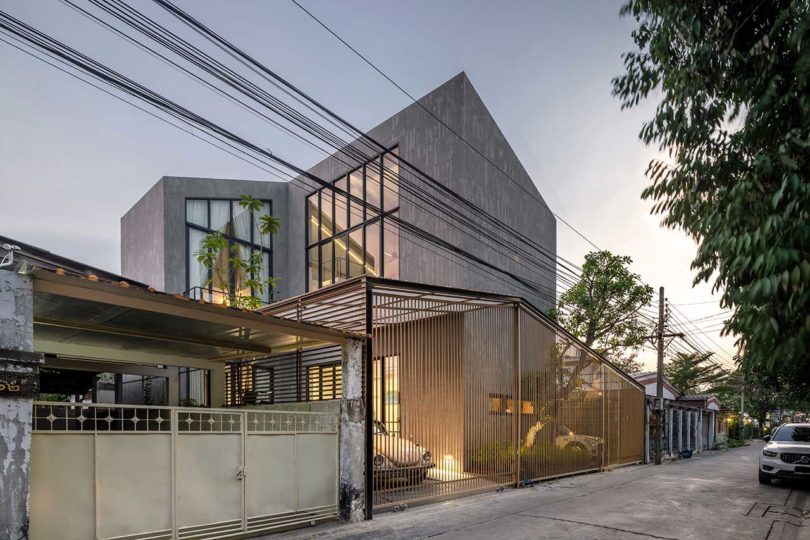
231	273
693	373
602	308
762	394
731	77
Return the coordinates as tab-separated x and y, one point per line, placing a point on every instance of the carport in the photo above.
122	470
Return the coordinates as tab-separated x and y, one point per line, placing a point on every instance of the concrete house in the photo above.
383	371
326	240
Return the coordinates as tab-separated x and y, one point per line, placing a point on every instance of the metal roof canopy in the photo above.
343	306
84	317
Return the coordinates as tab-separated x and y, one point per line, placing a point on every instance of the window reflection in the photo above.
372	188
341	207
373	262
390	182
341	254
326	263
356	253
356	190
391	250
326	214
312	219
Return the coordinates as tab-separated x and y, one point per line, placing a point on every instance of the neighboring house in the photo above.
690	421
323	240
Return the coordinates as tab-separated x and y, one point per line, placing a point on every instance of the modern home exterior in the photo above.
327	239
383	371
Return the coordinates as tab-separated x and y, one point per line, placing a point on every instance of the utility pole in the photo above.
658	342
659	383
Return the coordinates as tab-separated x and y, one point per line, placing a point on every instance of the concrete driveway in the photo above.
712	496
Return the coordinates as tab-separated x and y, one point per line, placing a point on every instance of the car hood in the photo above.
787	446
398	451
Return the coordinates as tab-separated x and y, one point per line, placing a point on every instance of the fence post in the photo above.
19	383
352	435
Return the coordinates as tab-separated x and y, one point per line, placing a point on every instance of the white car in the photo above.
565	438
786	454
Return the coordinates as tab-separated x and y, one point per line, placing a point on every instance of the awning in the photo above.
85	317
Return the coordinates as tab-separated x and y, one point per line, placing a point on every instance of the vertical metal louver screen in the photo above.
471	391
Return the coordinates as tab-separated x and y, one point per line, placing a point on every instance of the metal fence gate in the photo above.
158	473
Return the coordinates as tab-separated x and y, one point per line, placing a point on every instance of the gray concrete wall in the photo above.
153	233
433	149
143	239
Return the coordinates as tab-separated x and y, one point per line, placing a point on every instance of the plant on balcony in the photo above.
238	278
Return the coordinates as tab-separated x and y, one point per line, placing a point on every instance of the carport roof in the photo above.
88	317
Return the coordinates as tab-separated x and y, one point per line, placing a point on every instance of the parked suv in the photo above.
786	454
396	458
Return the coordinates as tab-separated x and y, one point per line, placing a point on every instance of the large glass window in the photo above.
241	228
348	237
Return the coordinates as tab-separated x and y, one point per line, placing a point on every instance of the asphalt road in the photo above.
712	496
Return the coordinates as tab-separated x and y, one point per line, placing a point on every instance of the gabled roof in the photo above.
647	377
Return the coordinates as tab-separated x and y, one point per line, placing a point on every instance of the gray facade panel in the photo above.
142	239
431	147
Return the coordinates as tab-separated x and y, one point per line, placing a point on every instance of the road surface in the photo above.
711	496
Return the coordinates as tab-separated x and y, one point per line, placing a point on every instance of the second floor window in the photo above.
347	238
241	228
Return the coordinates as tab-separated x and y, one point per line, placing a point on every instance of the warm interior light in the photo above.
448	459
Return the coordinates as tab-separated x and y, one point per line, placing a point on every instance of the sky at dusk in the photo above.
74	159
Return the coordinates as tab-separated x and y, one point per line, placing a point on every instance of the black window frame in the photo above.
381	218
252	245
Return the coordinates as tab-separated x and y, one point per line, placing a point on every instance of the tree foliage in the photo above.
693	373
602	308
230	272
734	118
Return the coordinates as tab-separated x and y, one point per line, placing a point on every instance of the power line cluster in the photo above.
311	122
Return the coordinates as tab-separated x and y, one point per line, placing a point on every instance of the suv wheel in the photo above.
764	478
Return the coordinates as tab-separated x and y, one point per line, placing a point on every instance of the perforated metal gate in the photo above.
138	472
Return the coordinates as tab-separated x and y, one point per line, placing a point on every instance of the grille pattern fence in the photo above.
141	472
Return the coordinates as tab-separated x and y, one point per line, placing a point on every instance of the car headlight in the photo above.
769	453
379	460
427	455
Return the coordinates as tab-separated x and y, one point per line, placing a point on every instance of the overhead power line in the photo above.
442	122
67	55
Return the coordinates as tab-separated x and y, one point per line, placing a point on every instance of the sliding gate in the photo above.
158	473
